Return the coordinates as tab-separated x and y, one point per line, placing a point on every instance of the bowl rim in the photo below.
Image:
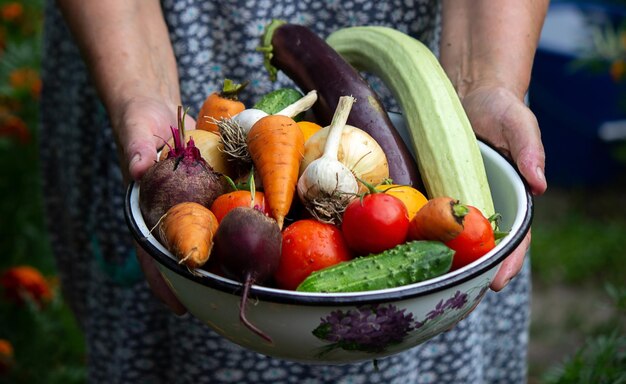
281	296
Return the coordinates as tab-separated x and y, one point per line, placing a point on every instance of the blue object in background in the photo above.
577	107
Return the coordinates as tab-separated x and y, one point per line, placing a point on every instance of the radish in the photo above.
247	247
184	176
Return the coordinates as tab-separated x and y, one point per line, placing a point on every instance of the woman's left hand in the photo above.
503	120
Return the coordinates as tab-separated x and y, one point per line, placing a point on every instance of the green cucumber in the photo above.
277	100
404	264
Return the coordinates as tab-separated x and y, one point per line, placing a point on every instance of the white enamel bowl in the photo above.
304	326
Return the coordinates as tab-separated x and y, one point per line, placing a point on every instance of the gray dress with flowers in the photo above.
131	337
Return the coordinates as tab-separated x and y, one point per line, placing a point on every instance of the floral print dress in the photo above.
131	337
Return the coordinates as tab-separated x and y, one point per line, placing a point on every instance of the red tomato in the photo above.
475	240
309	245
224	203
375	223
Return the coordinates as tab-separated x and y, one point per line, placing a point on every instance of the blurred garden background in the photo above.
578	92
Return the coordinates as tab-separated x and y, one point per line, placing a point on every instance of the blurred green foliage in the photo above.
47	345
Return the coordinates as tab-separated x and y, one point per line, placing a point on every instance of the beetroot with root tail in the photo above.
184	176
247	248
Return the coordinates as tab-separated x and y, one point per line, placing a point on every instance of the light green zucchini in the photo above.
446	148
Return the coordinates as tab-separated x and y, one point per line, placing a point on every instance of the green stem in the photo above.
266	47
231	183
231	90
459	210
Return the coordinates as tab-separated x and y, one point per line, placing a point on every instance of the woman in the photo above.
111	87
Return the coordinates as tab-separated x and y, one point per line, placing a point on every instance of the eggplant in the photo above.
312	64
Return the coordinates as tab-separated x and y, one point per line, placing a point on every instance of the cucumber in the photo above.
447	151
404	264
277	100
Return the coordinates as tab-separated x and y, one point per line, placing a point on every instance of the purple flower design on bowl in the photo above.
374	328
370	328
455	302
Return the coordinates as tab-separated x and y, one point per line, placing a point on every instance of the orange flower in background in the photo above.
617	69
23	282
35	88
3	40
25	78
6	355
11	11
13	126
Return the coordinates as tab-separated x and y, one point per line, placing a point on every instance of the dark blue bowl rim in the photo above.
288	297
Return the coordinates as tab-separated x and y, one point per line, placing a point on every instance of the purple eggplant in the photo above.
312	64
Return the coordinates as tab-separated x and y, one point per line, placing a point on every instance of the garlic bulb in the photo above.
358	151
325	181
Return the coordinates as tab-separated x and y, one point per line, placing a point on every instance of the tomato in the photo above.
224	203
309	245
475	240
412	198
374	223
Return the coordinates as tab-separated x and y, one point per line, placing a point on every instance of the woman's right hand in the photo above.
125	45
141	127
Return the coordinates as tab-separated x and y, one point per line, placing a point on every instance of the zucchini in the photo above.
406	263
446	148
312	64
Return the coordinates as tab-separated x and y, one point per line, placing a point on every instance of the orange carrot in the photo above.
441	218
218	105
187	231
276	146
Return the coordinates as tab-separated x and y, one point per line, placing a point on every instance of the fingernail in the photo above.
135	159
540	175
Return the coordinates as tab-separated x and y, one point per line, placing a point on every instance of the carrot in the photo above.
218	105
276	146
441	218
187	230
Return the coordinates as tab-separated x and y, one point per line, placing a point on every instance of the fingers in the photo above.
141	128
499	117
511	266
144	131
158	285
140	153
526	148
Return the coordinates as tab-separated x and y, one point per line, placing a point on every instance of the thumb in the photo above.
139	135
527	149
142	140
140	153
531	164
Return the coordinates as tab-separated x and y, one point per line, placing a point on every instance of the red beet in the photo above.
247	247
183	176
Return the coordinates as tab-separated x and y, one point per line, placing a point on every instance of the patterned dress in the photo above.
131	337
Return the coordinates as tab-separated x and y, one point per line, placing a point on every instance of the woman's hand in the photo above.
141	126
501	119
487	50
126	46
